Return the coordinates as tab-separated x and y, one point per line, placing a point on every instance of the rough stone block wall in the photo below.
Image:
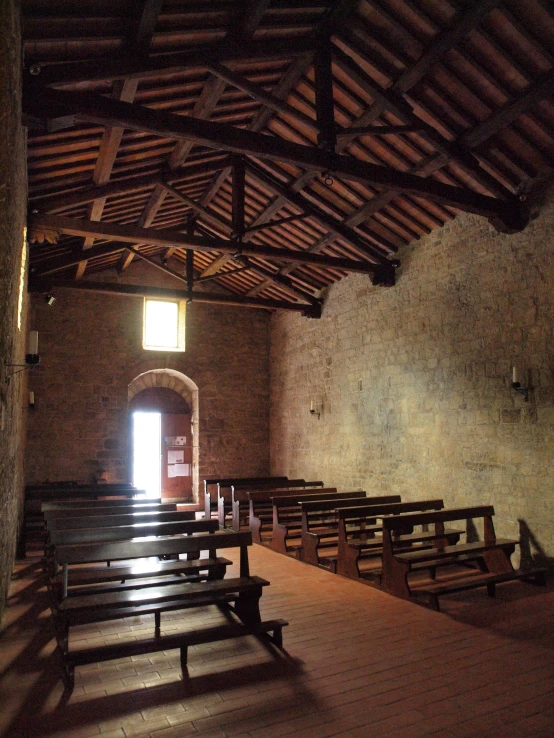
13	198
414	382
91	348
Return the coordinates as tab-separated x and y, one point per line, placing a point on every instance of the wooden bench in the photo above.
260	519
490	558
240	499
320	527
211	495
226	496
58	510
238	598
287	520
95	520
360	541
37	495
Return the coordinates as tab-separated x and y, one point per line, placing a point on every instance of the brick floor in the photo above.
358	664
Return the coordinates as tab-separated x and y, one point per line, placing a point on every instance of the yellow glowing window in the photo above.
164	325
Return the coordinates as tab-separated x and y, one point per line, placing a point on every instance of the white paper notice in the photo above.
175	457
182	470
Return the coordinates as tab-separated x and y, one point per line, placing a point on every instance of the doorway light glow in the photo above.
147	452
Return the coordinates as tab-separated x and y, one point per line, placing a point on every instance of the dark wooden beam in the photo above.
324	102
377	131
102	111
74	198
145	220
278	222
40	285
258	93
167	238
215	266
238	197
211	277
128	65
322	218
200	210
246	18
143	24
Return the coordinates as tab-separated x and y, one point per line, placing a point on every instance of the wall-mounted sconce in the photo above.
313	411
32	401
50	299
31	357
516	384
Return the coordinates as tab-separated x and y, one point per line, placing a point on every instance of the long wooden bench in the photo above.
227	494
287	519
491	557
360	544
260	519
211	487
32	523
58	510
240	499
238	598
96	520
320	527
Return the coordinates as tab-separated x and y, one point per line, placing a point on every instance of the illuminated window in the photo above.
164	325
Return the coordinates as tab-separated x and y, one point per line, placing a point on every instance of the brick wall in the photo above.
413	382
91	347
13	196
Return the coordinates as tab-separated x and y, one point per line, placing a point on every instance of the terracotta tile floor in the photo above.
359	664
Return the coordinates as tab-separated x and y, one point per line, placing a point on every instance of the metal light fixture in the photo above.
32	357
516	384
313	411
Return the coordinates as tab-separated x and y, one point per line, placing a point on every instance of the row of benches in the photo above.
381	540
82	535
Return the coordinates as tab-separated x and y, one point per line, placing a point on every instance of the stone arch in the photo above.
188	390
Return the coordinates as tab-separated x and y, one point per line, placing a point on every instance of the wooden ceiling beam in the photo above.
145	220
215	266
324	102
167	238
129	65
506	214
143	24
258	93
311	311
238	197
199	209
67	200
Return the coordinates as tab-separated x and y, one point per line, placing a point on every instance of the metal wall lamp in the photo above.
32	357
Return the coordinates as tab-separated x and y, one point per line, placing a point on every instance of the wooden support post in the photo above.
238	198
325	108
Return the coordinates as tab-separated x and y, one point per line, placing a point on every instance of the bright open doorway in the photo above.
147	452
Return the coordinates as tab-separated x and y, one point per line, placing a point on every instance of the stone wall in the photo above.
91	347
13	322
413	382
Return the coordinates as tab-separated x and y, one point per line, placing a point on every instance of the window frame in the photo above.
181	324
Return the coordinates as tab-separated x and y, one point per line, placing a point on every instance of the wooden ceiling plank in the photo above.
216	265
168	238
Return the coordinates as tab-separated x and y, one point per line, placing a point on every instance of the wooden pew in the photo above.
59	511
87	504
225	496
320	527
96	520
240	499
211	495
260	519
237	597
492	556
37	495
287	519
360	544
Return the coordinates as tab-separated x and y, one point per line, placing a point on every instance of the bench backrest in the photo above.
59	510
244	481
126	532
88	553
266	495
107	521
325	511
442	516
240	492
280	502
396	508
76	493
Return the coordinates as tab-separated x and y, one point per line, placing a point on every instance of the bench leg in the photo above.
432	572
184	657
157	623
491	589
247	607
278	637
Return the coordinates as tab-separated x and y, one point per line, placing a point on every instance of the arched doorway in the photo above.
144	392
